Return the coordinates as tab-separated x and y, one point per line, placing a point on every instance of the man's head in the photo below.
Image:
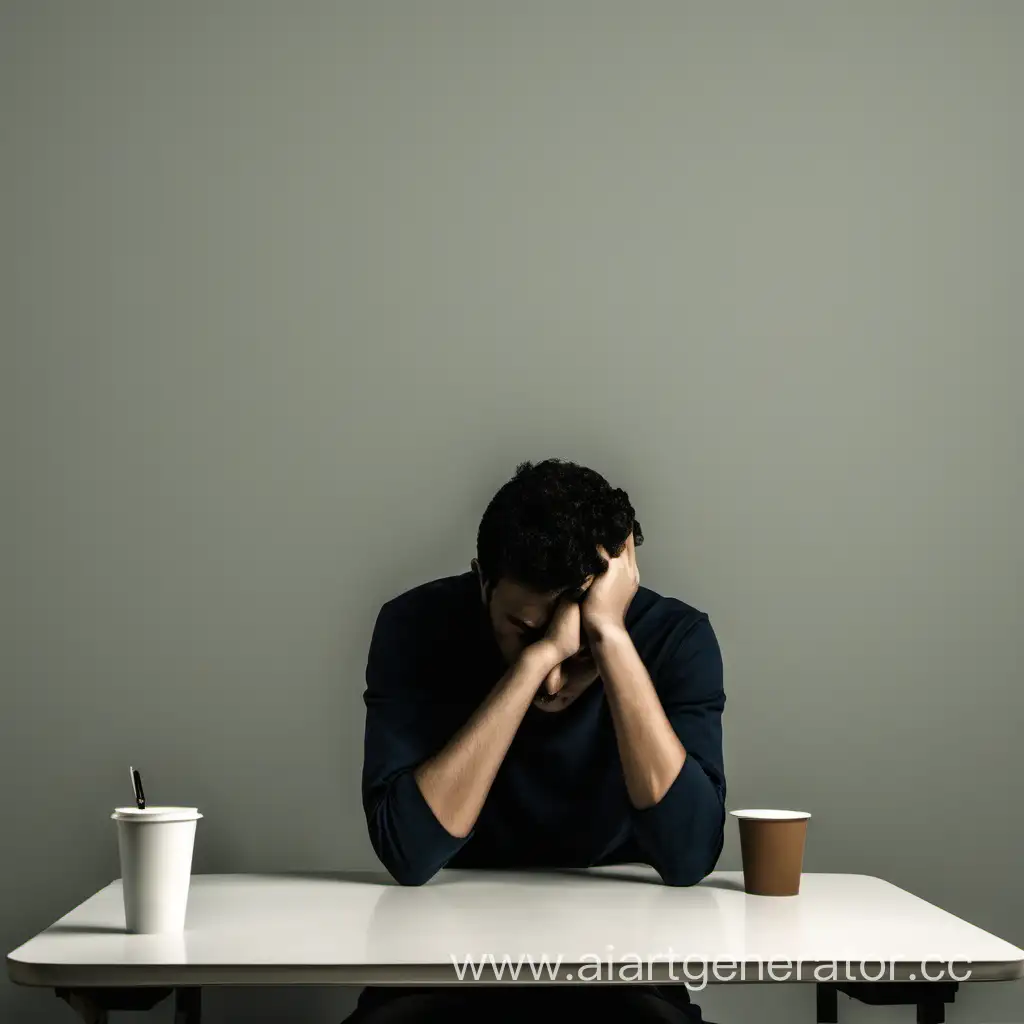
538	544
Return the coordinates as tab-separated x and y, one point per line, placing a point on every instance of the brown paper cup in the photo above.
772	847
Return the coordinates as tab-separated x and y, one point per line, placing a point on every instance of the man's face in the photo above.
519	617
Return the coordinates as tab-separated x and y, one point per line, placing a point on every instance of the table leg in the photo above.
931	1011
188	1005
828	1003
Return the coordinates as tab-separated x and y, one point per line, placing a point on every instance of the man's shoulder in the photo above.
438	600
654	612
676	641
420	629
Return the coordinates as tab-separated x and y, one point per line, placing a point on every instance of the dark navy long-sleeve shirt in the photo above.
559	798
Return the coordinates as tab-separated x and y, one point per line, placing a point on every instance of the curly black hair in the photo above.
543	527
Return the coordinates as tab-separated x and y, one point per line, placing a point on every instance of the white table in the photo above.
843	933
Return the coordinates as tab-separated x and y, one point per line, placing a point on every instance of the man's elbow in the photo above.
411	874
692	868
403	869
408	857
683	873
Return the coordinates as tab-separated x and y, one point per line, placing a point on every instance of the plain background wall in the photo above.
289	288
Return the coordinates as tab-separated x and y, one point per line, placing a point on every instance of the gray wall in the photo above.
288	289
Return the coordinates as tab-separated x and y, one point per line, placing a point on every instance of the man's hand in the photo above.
610	595
563	640
563	633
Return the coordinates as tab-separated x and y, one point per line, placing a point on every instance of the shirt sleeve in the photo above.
682	835
406	723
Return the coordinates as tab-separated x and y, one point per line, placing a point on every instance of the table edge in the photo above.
32	973
50	975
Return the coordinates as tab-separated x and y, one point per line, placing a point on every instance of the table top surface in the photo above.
360	928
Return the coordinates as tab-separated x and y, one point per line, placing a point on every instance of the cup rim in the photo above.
149	815
770	814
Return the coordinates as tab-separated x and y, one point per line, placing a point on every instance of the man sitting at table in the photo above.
543	710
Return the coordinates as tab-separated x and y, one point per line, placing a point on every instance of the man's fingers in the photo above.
555	680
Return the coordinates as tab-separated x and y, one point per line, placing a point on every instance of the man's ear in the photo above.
475	566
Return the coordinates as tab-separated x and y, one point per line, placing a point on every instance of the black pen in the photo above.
140	797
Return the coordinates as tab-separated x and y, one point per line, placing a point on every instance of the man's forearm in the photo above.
456	780
651	752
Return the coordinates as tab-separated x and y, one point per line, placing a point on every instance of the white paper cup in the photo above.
155	846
